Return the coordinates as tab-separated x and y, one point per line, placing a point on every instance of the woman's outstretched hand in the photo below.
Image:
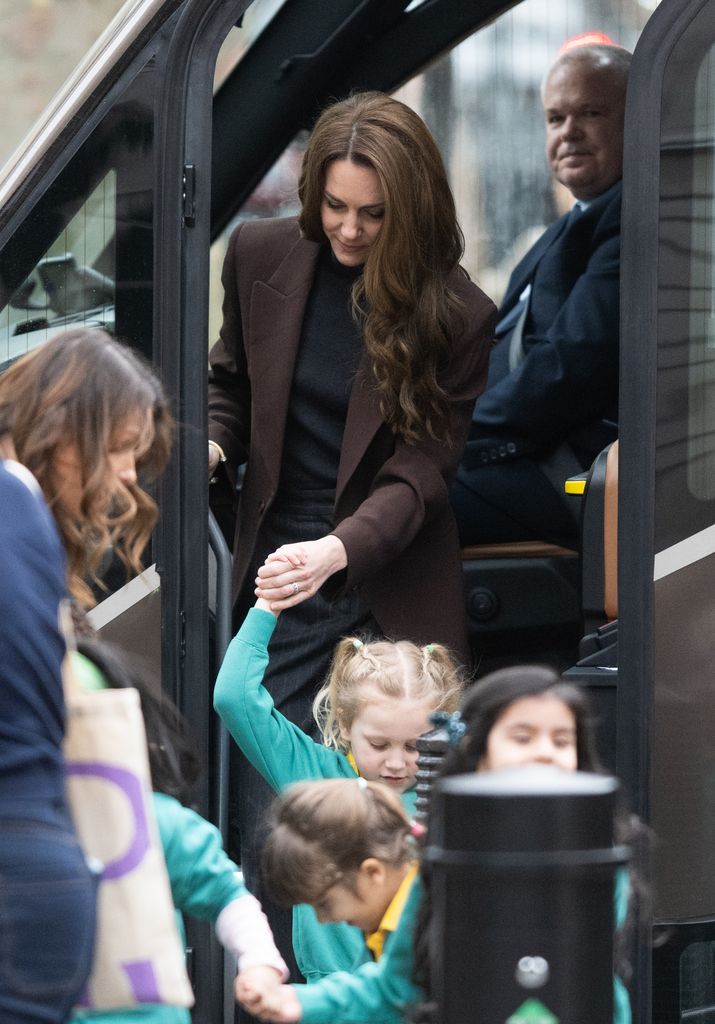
262	997
295	572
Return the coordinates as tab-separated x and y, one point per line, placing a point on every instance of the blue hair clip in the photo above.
452	724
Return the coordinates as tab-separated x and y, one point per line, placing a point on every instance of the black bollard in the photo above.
522	865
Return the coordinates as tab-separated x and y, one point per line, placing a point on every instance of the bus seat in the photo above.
533	586
526	585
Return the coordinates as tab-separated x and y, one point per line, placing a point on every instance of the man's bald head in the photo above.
614	61
584	97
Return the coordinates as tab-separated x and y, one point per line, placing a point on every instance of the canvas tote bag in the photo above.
138	956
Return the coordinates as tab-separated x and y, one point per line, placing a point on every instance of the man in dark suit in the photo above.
551	402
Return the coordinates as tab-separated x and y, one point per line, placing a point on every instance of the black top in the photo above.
328	358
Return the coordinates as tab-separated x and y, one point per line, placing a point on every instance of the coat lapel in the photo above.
362	423
523	272
273	335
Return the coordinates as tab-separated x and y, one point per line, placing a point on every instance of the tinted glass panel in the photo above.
685	459
683	755
483	104
84	253
72	283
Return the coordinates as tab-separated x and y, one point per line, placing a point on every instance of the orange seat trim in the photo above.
517	549
610	535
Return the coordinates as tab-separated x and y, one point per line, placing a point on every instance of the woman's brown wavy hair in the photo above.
408	312
81	387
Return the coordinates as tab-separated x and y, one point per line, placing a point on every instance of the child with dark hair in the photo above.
347	848
491	706
204	882
525	714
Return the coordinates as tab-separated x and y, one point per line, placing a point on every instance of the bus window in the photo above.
73	281
685	455
483	103
683	767
85	255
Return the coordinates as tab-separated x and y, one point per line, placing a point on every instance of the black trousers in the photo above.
300	653
510	501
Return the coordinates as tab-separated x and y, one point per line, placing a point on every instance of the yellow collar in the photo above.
375	941
352	762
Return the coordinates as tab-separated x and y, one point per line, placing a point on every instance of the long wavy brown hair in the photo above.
409	314
82	388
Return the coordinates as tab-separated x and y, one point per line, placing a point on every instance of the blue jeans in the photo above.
47	909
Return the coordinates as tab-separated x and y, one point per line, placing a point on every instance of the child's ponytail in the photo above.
331	698
394	669
438	669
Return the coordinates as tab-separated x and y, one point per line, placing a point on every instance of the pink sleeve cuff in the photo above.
242	928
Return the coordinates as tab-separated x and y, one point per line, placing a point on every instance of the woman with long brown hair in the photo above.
88	417
352	348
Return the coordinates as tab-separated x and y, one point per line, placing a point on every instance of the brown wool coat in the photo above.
391	507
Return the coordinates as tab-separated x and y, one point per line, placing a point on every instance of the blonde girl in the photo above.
373	705
376	702
348	848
